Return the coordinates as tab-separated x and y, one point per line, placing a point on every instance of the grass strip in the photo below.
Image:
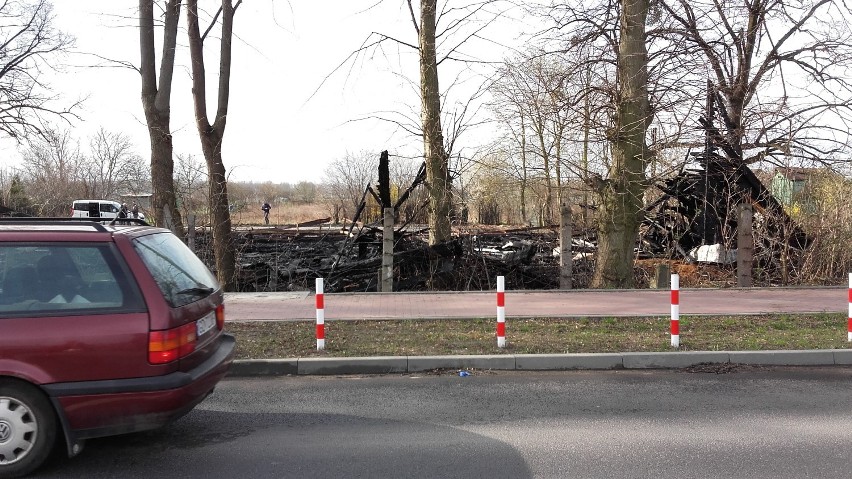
276	339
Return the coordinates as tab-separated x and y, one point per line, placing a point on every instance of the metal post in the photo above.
501	312
320	305
675	308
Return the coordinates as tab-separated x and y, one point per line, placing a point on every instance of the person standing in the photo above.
266	207
135	210
122	213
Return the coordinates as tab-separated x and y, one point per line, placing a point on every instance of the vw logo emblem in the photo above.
5	431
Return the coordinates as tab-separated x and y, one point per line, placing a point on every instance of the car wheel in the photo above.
27	429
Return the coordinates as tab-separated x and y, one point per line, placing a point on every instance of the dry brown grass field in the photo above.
281	214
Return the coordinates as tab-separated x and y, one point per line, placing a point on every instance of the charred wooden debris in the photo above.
698	208
287	259
349	258
696	216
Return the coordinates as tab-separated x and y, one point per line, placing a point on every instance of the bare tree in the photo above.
496	195
156	102
304	192
533	102
437	166
212	135
511	144
6	179
780	69
29	45
345	181
776	70
444	31
51	169
190	181
623	90
112	168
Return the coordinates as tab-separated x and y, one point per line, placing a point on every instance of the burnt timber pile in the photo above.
287	259
697	207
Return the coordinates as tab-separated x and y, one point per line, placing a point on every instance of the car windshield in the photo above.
181	276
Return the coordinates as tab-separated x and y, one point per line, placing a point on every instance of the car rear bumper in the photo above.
104	408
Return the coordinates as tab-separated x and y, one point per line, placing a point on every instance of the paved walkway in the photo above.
577	303
300	306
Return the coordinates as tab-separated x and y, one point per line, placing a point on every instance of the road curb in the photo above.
534	362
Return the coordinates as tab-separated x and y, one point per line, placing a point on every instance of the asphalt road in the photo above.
750	422
301	306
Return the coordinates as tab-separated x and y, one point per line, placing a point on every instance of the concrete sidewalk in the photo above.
300	306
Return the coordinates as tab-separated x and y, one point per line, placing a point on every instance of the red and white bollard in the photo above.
501	312
675	323
849	326
320	316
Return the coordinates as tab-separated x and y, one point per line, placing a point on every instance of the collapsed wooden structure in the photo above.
695	208
698	206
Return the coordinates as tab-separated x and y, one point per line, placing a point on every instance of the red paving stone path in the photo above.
299	306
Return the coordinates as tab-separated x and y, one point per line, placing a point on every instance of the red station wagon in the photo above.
104	330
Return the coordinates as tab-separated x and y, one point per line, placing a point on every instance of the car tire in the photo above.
27	428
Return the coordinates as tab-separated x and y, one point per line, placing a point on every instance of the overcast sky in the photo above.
277	131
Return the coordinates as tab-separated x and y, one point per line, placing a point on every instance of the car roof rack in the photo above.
125	221
96	223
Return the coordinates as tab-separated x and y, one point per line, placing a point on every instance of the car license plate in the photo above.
205	324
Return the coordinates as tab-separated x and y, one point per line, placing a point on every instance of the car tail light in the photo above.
220	317
171	344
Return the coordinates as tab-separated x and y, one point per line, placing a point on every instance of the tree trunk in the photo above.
156	105
546	213
212	135
437	171
622	193
220	215
585	158
523	171
164	200
560	194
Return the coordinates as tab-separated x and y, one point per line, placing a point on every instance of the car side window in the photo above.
63	279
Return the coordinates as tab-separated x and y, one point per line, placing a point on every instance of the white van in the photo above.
98	209
95	209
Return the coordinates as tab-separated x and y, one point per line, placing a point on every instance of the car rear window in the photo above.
65	279
181	276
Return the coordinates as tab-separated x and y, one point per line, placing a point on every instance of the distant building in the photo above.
792	186
789	185
141	199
